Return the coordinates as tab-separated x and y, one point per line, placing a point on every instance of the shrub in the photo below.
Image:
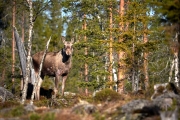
49	116
106	94
35	116
17	111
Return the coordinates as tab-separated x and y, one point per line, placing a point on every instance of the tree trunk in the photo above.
85	53
145	60
133	56
21	52
176	69
121	54
22	39
39	73
22	27
3	76
176	60
171	70
29	51
13	45
110	48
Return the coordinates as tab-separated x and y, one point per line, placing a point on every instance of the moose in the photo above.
56	64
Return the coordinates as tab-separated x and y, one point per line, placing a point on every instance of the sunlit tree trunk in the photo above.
176	60
29	51
171	70
145	60
176	69
121	54
110	48
178	40
22	38
85	52
13	44
134	65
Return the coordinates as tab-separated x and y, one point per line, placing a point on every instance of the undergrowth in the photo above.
107	95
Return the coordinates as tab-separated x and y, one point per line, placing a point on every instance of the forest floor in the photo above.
105	106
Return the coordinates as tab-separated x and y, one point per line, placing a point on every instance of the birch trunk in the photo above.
39	74
176	59
171	70
29	51
176	69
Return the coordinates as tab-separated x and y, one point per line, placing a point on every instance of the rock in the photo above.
169	115
134	105
69	94
83	108
160	89
5	94
29	107
165	100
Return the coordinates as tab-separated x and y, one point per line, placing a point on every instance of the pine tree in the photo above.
170	17
96	35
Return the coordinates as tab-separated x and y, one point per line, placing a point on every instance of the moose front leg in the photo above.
56	86
63	84
37	91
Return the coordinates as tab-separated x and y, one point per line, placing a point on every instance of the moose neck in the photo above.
65	57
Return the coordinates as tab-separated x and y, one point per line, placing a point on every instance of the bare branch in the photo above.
38	12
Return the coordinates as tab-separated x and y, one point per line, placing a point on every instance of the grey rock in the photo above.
134	105
84	108
5	94
165	100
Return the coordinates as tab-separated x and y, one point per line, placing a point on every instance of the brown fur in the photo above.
56	64
52	64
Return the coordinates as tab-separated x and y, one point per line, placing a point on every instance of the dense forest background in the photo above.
125	45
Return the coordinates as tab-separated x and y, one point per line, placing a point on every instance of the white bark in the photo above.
176	62
29	52
176	69
171	70
38	80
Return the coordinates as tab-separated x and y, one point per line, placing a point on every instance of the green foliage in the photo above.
107	94
34	116
66	17
169	10
49	116
42	102
17	111
14	111
98	116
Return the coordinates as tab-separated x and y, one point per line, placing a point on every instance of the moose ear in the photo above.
63	39
72	40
